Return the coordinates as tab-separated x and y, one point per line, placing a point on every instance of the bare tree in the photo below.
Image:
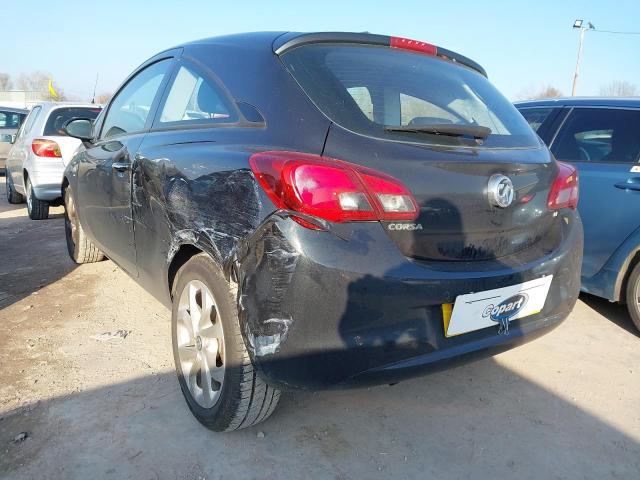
103	98
5	82
619	89
38	81
547	91
34	81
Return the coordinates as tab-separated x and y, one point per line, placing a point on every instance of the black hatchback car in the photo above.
324	210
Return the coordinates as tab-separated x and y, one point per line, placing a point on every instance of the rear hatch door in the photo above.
441	128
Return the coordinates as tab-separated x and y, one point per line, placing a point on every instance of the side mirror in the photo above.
79	128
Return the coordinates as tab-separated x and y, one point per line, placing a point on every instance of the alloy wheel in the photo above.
72	218
200	342
29	196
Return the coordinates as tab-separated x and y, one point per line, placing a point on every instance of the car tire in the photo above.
12	196
80	248
234	397
36	208
633	295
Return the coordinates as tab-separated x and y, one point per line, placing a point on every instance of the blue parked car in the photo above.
601	138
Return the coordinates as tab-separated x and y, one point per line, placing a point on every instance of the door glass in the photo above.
599	135
130	109
193	98
535	116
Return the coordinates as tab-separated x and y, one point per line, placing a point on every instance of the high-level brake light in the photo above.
414	45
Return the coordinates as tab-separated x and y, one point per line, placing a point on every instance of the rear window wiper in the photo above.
450	129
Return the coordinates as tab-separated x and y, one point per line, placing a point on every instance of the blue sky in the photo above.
523	45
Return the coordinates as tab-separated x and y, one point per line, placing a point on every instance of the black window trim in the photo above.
591	107
237	120
170	55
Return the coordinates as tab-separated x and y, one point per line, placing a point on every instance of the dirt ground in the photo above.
564	406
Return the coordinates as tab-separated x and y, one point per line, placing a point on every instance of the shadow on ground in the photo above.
614	312
479	418
46	260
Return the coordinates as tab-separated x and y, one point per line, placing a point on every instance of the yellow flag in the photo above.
51	90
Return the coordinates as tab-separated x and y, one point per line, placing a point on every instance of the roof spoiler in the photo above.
291	40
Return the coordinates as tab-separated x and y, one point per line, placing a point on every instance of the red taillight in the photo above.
331	189
415	45
45	148
564	191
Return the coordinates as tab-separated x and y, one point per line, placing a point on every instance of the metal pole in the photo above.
575	77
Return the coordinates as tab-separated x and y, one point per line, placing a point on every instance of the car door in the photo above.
104	178
604	145
20	150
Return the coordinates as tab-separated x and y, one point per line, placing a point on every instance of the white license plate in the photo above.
474	311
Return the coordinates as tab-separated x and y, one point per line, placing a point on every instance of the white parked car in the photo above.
40	153
10	121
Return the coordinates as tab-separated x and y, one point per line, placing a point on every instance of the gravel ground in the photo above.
564	406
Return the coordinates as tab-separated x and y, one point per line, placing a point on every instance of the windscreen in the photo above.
371	90
59	117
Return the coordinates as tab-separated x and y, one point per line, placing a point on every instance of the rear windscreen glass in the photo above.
11	119
60	116
367	88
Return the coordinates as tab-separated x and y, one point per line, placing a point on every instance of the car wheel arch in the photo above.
625	272
65	185
183	253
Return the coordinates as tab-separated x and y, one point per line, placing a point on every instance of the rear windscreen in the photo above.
367	88
11	119
59	117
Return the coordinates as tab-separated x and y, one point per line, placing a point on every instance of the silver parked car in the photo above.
10	121
40	153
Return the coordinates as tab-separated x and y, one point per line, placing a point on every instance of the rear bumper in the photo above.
320	311
47	182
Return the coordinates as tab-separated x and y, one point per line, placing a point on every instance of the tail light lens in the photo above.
46	148
564	191
331	189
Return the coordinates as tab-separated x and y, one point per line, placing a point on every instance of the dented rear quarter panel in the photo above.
194	186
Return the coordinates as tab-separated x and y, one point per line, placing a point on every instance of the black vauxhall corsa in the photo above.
324	210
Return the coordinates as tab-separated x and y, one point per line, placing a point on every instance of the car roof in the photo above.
49	106
66	104
633	102
13	109
238	39
280	41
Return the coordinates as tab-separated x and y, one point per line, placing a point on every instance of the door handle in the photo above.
120	166
632	183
